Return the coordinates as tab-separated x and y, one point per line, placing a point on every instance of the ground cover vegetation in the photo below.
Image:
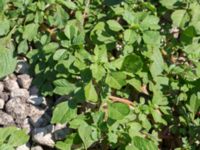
129	68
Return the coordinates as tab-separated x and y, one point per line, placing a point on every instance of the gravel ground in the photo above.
22	106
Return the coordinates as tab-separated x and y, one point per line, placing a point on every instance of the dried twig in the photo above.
122	100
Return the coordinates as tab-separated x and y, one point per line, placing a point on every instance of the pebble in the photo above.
60	131
26	125
43	136
22	67
20	93
1	87
24	81
24	147
11	85
6	119
38	116
36	100
36	148
5	96
16	107
2	103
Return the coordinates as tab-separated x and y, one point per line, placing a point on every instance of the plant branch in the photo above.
122	100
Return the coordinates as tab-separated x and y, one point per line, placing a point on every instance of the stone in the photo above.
24	81
34	90
6	119
5	96
12	77
24	147
20	93
11	85
1	87
26	126
44	136
2	103
38	116
22	67
36	148
60	131
37	100
17	108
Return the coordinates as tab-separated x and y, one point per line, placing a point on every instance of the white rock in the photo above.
44	136
24	81
5	96
26	125
2	103
20	93
37	100
36	148
6	119
1	87
24	147
38	116
22	67
11	85
60	131
17	108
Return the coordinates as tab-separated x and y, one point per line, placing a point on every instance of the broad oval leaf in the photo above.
64	112
90	93
116	80
114	25
118	111
7	62
132	63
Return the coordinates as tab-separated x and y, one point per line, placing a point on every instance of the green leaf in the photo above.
4	27
169	3
135	83
63	87
18	138
69	4
22	47
118	111
130	36
157	116
132	63
70	31
85	132
152	38
157	66
90	93
12	137
116	80
194	104
64	112
50	47
100	54
143	144
30	31
59	54
68	143
6	147
114	25
98	72
7	62
187	35
180	17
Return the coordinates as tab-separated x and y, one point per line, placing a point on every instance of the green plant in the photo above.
11	137
145	53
